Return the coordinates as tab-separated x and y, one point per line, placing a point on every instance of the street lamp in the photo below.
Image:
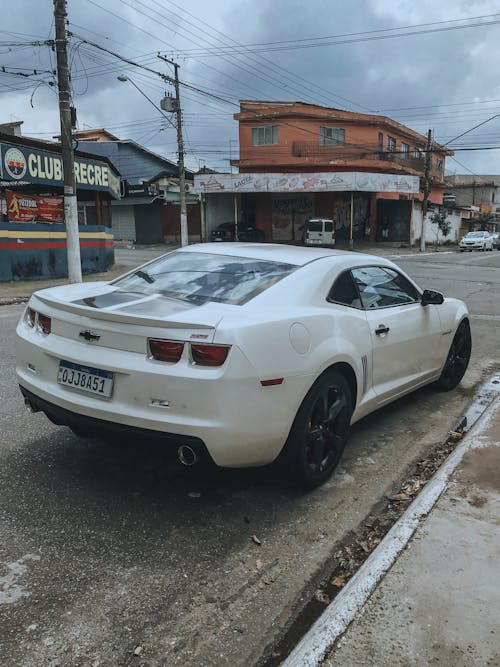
182	171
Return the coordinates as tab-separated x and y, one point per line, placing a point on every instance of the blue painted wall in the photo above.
37	251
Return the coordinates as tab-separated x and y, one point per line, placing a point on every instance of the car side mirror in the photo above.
431	297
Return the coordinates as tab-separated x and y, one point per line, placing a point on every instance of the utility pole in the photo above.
427	169
68	156
351	222
180	152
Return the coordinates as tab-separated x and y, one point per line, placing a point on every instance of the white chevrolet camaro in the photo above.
244	354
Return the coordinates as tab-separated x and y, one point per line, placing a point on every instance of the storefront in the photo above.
32	229
280	203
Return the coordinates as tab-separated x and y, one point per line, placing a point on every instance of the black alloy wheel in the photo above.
320	430
458	358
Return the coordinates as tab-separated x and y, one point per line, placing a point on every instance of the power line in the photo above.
366	36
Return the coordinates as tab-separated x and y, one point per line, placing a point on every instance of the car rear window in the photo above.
199	278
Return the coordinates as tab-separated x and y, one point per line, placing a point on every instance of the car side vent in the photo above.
364	362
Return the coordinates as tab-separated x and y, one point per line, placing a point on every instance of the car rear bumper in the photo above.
225	410
105	429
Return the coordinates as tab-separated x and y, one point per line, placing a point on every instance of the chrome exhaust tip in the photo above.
187	455
29	405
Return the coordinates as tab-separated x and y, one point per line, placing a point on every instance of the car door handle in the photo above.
382	329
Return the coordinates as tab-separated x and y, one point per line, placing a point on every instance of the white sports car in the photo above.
245	354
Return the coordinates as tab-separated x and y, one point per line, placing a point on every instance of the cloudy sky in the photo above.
430	65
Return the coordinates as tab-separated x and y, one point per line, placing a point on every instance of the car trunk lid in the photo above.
124	320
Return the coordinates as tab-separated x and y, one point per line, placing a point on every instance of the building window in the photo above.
331	136
405	151
265	135
439	164
380	141
418	155
391	144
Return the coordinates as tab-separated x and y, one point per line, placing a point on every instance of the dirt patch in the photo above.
482	468
478	501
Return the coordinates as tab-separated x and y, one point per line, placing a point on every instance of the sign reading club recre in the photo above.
29	165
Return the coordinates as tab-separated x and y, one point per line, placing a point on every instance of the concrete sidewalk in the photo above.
437	600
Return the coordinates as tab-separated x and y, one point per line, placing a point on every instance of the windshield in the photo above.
472	235
319	225
201	277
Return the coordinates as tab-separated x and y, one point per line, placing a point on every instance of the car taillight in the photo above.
45	323
35	319
166	350
31	316
209	355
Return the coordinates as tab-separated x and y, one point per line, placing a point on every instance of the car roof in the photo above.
289	254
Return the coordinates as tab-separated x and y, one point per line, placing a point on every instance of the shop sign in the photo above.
142	190
31	208
307	182
23	165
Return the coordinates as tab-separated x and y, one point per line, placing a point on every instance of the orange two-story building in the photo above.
300	160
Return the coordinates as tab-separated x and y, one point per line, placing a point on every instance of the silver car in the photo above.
476	241
496	240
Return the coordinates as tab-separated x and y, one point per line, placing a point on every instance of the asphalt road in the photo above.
106	550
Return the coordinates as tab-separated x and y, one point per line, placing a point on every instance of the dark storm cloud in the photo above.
445	70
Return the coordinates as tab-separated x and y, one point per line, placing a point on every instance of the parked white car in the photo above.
495	238
245	354
476	241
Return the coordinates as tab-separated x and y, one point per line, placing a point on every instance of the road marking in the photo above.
494	318
336	618
423	254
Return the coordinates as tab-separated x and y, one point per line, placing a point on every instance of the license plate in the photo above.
92	380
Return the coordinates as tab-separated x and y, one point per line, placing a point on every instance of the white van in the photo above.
319	231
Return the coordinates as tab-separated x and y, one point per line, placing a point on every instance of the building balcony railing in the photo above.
316	152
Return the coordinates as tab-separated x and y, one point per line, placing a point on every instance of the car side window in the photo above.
381	287
344	291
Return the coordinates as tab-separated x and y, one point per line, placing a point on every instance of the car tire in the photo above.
457	359
319	432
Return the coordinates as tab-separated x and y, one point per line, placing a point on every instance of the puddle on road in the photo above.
352	552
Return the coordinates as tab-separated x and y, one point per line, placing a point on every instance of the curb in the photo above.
336	618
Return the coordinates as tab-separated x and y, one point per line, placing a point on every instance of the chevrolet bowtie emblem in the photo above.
89	335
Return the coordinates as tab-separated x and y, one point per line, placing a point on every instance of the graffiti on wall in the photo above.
289	214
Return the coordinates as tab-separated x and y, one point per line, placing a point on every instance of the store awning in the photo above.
345	181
